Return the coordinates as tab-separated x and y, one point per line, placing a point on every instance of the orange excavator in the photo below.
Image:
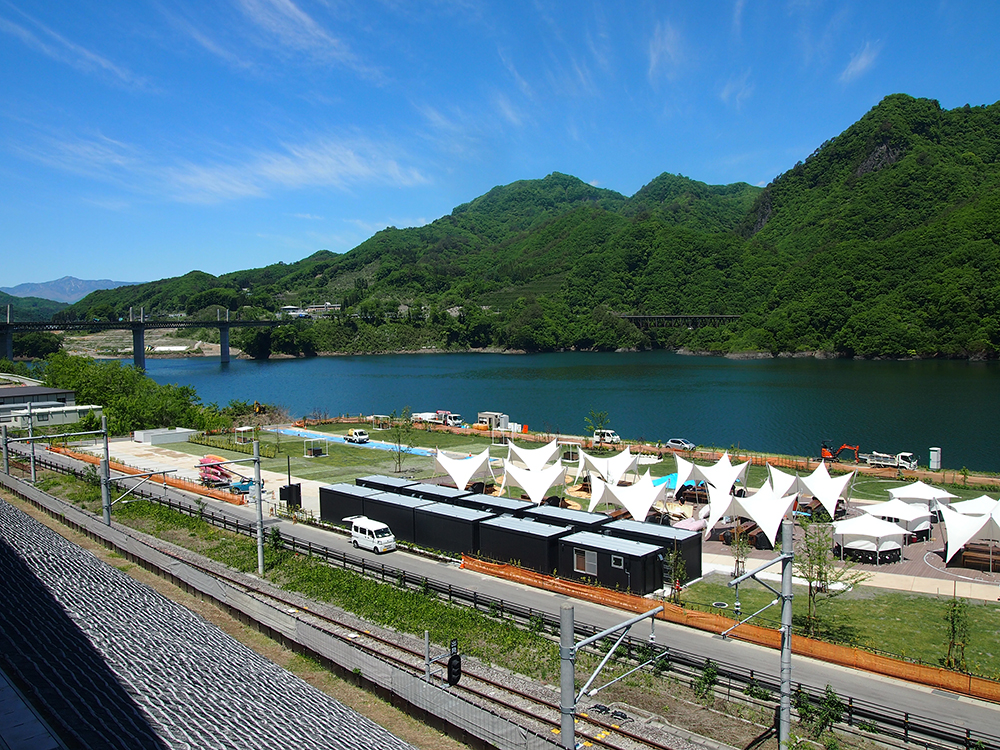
828	454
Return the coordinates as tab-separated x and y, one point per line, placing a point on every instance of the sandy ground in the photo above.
160	342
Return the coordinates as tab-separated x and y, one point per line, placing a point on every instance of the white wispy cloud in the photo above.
507	109
861	61
308	217
325	162
665	51
54	45
737	90
738	8
291	28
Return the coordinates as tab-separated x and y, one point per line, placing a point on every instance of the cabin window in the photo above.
585	561
617	561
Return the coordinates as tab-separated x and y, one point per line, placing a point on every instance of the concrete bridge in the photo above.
138	328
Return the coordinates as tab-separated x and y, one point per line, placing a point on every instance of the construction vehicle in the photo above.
888	460
827	453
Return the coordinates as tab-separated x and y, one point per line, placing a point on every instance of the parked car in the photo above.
680	444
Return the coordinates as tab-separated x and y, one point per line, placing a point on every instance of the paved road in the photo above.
934	705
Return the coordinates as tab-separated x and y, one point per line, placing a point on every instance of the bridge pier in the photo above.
139	346
8	343
224	344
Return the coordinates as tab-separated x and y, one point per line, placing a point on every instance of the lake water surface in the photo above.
776	405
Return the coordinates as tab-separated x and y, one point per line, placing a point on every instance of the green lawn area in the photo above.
909	625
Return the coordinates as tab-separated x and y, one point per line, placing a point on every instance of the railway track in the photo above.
533	706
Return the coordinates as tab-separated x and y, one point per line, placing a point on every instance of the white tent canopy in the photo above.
932	497
534	458
978	506
766	508
534	483
782	483
721	478
963	529
828	490
869	533
611	470
638	498
912	517
597	486
461	470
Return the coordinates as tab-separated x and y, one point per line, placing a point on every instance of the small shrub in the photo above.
704	685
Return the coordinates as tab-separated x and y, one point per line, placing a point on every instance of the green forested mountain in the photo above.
884	242
28	309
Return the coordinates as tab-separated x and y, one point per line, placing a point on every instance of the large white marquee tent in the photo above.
870	534
914	518
963	529
918	492
461	470
534	483
611	470
533	458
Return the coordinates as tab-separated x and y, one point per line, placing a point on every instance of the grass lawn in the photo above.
908	625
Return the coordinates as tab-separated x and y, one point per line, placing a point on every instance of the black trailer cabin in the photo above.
383	483
498	505
530	544
672	539
580	520
437	493
338	501
450	528
396	512
620	564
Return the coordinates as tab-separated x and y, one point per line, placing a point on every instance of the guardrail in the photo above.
862	717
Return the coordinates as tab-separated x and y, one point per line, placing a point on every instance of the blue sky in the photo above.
146	139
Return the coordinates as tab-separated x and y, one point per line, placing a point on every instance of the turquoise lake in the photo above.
777	405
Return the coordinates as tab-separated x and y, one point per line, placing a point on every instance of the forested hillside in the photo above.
884	242
28	309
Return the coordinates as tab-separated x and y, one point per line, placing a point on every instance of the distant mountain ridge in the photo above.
885	242
68	289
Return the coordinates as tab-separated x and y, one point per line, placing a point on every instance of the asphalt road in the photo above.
933	705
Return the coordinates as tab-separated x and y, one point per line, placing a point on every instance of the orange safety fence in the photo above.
935	677
175	482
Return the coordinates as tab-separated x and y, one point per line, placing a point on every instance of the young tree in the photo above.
827	577
741	551
596	420
957	617
401	436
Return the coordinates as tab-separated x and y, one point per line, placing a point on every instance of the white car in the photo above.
680	444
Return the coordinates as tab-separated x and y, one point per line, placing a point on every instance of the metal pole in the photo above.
31	434
785	708
567	676
106	474
6	460
260	507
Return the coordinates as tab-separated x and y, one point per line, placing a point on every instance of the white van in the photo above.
369	534
606	436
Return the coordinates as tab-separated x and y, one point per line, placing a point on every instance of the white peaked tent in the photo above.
782	483
828	490
978	506
720	478
534	483
461	470
611	470
913	518
963	529
869	533
597	486
766	507
918	492
534	458
638	498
